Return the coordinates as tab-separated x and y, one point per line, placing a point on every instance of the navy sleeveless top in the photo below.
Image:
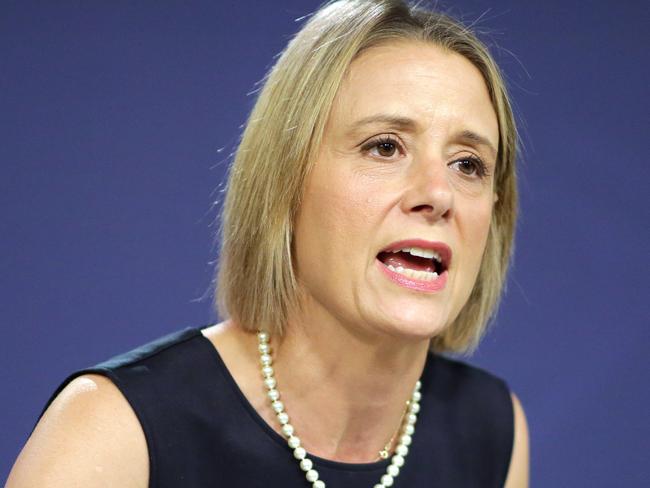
201	431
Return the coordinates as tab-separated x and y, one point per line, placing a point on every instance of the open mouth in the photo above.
416	263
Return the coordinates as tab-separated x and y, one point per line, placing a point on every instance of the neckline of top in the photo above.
275	436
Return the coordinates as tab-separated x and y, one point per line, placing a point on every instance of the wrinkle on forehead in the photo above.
436	87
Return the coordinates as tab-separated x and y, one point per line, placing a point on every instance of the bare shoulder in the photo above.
89	436
519	461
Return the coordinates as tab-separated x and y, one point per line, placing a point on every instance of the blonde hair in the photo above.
256	282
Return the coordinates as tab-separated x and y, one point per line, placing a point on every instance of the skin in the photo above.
88	437
359	201
352	355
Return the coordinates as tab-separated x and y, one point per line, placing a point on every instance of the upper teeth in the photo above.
423	253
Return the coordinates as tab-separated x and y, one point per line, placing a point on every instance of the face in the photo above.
396	210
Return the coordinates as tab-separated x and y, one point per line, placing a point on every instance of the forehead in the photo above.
438	88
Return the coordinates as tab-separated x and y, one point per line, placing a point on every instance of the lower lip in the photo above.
413	284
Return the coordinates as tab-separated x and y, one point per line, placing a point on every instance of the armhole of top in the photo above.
511	432
498	420
130	399
110	369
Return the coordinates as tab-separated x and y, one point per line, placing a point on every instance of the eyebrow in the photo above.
403	123
477	139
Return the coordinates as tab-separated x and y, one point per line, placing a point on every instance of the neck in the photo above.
345	393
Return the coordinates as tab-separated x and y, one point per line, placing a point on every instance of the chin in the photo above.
416	325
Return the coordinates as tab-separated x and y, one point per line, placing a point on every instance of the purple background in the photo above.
116	123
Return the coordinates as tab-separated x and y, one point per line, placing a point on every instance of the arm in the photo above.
519	462
88	437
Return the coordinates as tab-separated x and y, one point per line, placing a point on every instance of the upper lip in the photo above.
443	250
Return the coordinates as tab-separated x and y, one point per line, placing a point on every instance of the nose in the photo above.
428	191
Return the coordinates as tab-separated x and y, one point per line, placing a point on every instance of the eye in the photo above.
471	166
384	147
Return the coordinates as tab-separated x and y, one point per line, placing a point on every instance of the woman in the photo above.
367	227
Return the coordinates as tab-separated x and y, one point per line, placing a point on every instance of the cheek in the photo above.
332	223
476	217
341	204
474	230
474	233
482	225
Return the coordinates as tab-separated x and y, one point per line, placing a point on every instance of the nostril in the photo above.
431	212
423	208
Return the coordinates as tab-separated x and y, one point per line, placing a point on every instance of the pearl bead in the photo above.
283	418
387	480
267	371
287	429
402	450
299	453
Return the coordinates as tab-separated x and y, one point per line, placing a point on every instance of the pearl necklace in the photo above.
299	452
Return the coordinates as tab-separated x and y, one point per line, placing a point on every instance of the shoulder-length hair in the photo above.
256	281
